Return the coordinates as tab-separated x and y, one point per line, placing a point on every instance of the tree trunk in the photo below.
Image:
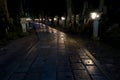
101	5
22	14
4	14
69	14
4	9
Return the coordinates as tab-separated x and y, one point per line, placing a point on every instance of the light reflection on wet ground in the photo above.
57	59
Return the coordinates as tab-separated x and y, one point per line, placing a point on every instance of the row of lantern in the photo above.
94	16
43	19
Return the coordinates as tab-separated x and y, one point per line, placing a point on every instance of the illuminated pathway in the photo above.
57	56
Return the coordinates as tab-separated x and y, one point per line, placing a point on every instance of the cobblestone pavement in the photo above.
56	56
107	56
11	54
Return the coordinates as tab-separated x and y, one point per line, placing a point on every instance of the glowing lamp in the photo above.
62	18
94	15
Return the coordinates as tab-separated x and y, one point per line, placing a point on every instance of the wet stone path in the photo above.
56	56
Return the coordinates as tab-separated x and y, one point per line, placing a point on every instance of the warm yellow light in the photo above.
62	38
63	18
98	16
36	19
28	19
55	19
94	15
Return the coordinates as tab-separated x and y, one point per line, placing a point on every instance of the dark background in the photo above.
53	7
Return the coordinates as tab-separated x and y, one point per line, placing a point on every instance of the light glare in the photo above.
63	18
43	19
28	19
50	19
55	19
94	15
36	19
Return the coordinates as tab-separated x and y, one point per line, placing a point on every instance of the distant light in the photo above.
55	31
36	19
50	19
43	25
62	35
63	18
62	38
94	15
28	19
55	19
40	19
98	16
43	19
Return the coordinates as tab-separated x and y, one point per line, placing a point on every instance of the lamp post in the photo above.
55	21
96	17
63	21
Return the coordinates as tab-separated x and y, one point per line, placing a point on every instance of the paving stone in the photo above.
22	69
53	46
60	51
60	48
50	65
93	70
81	75
73	54
39	62
17	76
62	45
54	51
45	46
77	66
61	42
34	76
81	53
98	77
63	62
37	69
63	68
62	57
49	76
70	53
74	59
87	61
64	76
84	57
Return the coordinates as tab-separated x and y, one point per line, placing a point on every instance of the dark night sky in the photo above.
52	7
48	6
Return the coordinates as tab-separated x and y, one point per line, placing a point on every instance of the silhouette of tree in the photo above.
4	18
